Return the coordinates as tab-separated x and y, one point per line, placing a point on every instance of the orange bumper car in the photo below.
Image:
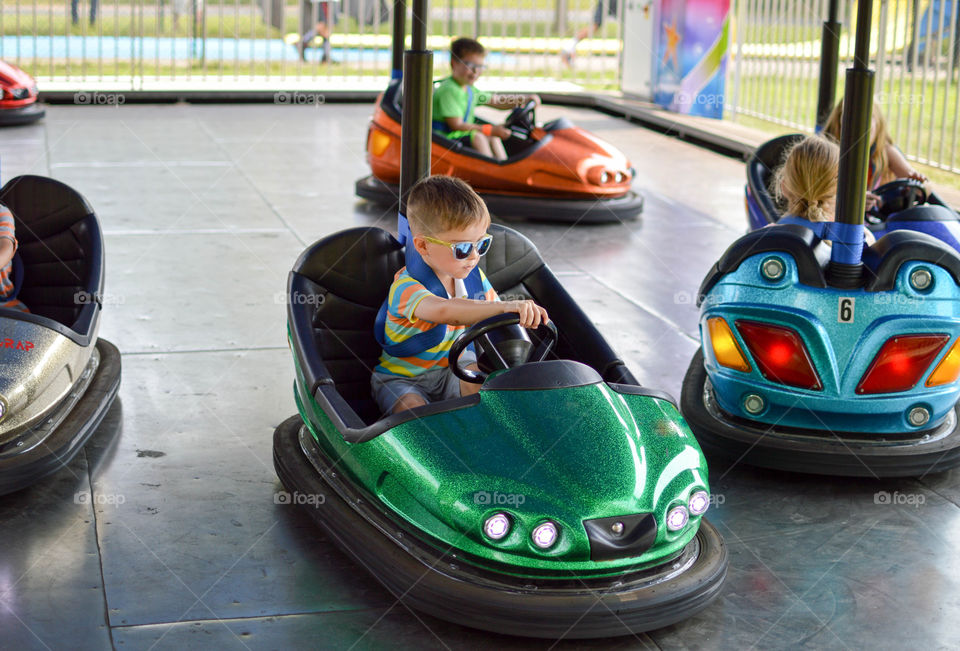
556	172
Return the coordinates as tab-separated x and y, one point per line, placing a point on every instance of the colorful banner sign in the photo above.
692	57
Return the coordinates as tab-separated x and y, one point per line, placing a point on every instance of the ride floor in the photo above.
184	544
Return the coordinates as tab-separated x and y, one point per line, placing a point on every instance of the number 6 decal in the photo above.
845	313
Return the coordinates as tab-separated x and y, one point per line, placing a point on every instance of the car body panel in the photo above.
563	455
559	168
840	351
38	367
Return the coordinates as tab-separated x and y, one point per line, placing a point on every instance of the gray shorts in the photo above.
435	384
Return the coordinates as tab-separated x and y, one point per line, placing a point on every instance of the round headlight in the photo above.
620	177
677	518
604	177
497	526
699	503
545	535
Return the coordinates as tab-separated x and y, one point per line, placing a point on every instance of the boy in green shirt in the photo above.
455	97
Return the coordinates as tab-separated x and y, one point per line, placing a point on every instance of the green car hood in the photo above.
565	455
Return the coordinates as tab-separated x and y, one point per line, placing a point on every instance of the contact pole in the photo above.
829	62
399	35
846	268
415	130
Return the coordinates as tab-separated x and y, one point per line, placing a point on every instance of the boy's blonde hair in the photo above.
807	180
444	203
881	138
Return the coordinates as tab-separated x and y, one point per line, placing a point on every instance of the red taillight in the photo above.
780	354
901	363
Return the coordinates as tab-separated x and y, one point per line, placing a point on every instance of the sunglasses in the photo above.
471	66
462	250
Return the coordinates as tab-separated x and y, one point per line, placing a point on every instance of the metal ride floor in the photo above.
165	532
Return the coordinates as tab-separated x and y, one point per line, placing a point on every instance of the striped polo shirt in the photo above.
402	323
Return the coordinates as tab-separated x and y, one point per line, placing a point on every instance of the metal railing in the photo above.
228	43
239	44
915	52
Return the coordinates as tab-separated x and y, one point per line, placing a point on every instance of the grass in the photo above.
919	110
150	69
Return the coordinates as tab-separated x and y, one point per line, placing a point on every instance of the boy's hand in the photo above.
534	98
531	314
501	132
872	201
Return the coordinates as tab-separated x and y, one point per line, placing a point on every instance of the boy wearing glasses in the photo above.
448	225
455	97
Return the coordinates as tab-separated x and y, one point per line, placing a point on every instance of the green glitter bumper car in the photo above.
562	500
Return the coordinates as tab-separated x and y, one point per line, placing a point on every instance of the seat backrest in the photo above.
61	247
923	213
337	287
884	258
512	257
761	167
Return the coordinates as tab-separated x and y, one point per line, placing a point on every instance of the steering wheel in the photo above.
502	343
522	119
897	196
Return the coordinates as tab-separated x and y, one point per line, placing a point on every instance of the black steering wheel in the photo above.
502	344
522	119
897	196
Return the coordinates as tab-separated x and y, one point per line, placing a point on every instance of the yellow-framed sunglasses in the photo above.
462	250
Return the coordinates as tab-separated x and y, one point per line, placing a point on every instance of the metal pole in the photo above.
846	268
560	18
399	34
829	63
415	130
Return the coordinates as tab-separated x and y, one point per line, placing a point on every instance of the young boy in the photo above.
448	225
8	246
455	97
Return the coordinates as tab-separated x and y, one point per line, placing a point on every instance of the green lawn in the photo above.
915	113
150	69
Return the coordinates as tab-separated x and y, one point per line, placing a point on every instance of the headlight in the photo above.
497	526
620	177
545	535
604	177
699	503
677	518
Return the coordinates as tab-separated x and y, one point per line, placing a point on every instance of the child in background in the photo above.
807	180
318	18
887	162
455	97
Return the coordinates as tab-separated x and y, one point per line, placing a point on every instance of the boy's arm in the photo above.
457	124
8	241
465	311
7	249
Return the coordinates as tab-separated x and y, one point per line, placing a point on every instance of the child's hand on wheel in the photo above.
531	314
